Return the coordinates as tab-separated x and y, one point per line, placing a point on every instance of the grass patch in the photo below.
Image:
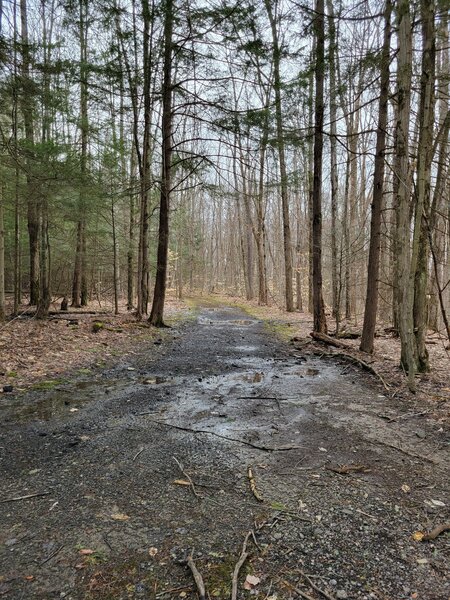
47	384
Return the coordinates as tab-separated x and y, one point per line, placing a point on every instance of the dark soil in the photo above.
117	520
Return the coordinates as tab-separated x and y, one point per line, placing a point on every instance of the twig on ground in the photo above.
197	577
253	487
138	453
434	533
237	568
297	590
38	495
57	551
314	586
191	483
407	452
224	437
172	591
346	469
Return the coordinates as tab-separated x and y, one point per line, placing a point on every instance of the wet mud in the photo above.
107	455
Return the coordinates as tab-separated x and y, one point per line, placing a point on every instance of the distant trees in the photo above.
264	149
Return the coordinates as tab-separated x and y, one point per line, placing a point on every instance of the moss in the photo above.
11	374
97	326
84	371
47	384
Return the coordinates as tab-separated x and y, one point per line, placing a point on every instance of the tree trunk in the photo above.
157	312
320	324
79	282
333	161
28	120
402	241
373	269
421	250
2	258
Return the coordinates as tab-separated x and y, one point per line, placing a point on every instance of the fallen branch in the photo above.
362	364
237	568
223	437
191	483
197	577
326	339
24	497
253	487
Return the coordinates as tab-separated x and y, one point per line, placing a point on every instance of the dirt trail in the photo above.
113	457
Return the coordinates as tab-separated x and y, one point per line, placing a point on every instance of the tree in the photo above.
320	324
405	293
276	56
373	269
157	313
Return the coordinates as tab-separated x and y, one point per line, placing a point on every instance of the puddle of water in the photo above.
246	348
61	402
225	323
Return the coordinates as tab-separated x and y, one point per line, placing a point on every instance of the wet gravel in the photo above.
220	395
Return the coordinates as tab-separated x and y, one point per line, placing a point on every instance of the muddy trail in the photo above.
109	484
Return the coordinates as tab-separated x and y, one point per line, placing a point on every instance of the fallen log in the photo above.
326	339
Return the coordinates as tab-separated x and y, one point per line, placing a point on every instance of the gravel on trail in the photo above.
109	484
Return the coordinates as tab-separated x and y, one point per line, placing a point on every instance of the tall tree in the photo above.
27	95
159	294
405	293
320	324
287	241
420	249
373	269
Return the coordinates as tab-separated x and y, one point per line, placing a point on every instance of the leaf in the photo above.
119	517
418	536
434	503
406	488
251	581
153	551
181	482
86	551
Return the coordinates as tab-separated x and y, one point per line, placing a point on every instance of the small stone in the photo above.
341	595
277	536
333	582
421	434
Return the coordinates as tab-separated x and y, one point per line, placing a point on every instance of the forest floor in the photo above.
111	478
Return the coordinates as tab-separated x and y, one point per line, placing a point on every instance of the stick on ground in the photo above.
253	487
191	483
197	577
224	437
27	497
237	568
